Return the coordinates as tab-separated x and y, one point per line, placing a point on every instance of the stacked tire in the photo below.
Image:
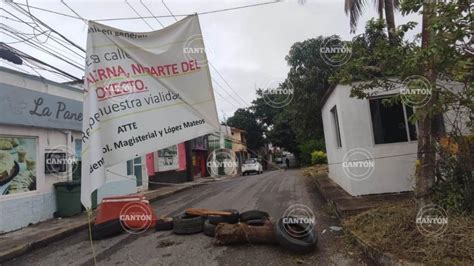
186	224
304	241
212	221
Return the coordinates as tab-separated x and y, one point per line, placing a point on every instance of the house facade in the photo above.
40	133
371	147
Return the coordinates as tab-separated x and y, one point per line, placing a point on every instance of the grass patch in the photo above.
392	229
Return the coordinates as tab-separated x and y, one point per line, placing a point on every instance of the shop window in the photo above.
390	122
335	120
168	159
134	167
18	164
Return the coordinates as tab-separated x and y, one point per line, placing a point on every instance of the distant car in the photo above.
251	166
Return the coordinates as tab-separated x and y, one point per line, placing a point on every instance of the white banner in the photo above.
145	91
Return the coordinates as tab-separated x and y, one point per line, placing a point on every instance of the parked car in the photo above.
251	166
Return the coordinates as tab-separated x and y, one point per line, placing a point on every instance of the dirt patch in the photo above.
392	229
319	170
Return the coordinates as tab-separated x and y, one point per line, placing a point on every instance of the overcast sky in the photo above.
247	46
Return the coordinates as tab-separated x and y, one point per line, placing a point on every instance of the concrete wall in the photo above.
391	174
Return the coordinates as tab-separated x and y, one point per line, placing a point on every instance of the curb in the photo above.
376	255
22	249
30	246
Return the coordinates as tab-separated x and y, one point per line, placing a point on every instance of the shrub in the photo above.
307	148
318	157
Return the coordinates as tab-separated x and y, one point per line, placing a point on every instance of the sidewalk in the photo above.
18	242
347	205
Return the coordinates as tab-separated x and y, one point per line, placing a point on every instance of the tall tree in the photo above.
354	9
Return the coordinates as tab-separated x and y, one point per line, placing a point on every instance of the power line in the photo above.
44	24
60	57
150	17
57	40
138	14
215	69
34	59
151	13
225	81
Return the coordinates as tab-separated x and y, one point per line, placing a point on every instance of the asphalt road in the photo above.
272	192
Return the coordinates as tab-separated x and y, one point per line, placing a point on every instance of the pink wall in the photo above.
150	164
182	156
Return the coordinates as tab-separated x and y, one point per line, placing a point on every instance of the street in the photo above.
272	192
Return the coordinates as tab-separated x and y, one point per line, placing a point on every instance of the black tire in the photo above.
303	244
231	219
106	229
187	224
209	229
256	222
253	215
164	224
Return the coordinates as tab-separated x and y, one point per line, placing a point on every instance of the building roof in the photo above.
41	79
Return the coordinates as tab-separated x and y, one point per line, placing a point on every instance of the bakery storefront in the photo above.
40	144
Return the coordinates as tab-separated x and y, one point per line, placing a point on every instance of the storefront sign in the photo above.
144	92
55	162
20	106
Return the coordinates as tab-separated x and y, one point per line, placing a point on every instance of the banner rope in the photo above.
89	214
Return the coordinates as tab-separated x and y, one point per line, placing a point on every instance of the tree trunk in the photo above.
390	18
425	172
228	234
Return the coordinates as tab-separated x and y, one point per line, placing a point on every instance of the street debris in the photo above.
335	228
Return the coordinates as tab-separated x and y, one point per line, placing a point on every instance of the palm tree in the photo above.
354	9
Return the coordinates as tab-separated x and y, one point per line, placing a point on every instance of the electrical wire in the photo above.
213	67
151	13
60	57
27	56
135	18
13	4
59	41
138	14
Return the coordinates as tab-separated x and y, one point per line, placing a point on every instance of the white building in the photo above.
371	148
39	118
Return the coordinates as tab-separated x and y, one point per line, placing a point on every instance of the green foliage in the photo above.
307	147
318	157
246	120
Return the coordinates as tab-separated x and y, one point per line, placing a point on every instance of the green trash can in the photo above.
68	198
